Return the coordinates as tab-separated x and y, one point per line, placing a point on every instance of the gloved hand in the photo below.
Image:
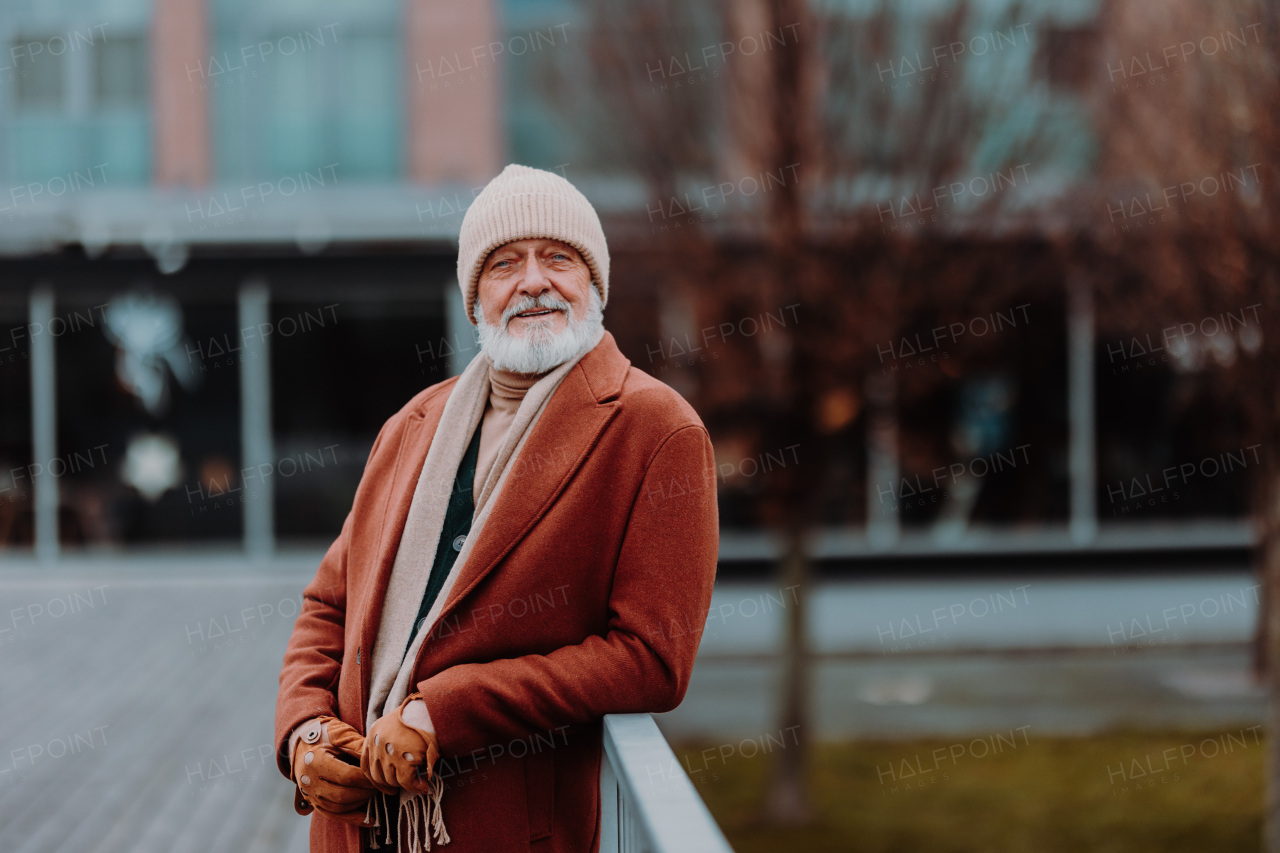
397	755
325	765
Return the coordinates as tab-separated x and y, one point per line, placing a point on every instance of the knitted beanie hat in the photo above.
522	204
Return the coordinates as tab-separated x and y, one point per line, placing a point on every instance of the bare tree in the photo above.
799	101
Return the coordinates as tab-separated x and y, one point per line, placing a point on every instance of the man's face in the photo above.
536	307
530	286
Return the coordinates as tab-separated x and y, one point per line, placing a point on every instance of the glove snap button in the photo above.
308	758
306	780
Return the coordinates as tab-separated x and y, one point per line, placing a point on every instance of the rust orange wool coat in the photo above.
586	594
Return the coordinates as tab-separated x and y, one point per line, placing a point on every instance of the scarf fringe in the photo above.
375	816
437	819
425	819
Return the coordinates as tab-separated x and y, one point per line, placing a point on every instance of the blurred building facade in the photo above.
227	243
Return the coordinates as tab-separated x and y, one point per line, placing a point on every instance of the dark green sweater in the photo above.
457	524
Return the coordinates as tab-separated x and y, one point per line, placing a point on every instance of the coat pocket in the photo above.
540	790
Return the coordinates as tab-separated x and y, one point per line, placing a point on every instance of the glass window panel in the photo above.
368	125
326	411
41	77
336	98
551	95
148	422
982	422
294	115
120	71
44	146
1170	444
124	144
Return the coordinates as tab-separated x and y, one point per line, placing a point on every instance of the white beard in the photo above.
540	350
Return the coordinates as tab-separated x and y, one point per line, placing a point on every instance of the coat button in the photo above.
458	541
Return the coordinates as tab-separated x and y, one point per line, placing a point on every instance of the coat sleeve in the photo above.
313	656
657	611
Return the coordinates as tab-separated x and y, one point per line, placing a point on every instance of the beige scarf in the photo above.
392	675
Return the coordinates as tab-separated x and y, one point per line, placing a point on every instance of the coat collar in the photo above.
568	428
604	368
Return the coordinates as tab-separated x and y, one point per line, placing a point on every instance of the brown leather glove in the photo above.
397	755
326	769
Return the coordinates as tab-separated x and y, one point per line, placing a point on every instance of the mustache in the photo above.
529	304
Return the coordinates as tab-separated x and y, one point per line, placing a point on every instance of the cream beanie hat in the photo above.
521	204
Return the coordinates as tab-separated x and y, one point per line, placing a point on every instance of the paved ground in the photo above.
126	730
138	707
961	657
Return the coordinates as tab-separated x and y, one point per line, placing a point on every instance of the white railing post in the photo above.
609	817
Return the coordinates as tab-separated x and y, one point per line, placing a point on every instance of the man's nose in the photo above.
533	282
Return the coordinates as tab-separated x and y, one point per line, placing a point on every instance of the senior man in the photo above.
532	546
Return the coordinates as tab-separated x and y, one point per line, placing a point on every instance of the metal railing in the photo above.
647	803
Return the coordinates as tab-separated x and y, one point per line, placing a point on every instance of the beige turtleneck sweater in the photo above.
506	390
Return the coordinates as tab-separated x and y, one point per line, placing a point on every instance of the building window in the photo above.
291	97
349	366
553	97
40	83
148	419
120	73
78	106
